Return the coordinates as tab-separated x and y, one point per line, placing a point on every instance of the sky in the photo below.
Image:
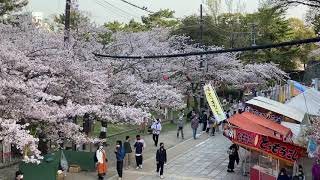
109	10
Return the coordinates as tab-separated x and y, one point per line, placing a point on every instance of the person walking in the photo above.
128	151
156	128
190	115
233	157
300	174
101	164
120	153
234	107
161	158
283	175
240	106
139	146
195	124
214	125
209	123
204	119
143	125
180	124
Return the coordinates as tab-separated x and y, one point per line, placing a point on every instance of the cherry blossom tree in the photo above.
314	130
7	6
44	83
184	72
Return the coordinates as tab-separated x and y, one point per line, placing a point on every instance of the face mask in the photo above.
118	145
21	176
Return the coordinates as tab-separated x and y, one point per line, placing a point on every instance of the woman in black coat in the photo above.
283	175
233	157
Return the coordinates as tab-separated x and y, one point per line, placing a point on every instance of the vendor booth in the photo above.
268	143
275	111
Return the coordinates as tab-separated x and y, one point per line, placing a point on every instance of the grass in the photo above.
120	131
112	128
111	140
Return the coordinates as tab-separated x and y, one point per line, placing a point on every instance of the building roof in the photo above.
284	131
278	107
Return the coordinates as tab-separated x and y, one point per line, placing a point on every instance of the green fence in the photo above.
48	167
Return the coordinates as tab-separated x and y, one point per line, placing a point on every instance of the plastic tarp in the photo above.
295	128
299	87
308	102
284	131
47	169
278	107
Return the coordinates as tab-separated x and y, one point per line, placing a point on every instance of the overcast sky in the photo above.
100	11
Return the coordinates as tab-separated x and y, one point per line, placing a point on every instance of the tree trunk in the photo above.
103	131
195	103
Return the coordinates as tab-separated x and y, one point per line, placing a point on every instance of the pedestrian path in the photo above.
201	159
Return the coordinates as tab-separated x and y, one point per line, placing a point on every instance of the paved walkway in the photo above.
202	159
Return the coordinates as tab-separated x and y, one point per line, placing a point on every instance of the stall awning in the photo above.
244	123
282	130
295	128
277	148
278	107
308	102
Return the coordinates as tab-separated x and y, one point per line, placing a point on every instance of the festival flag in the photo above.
298	88
281	95
214	103
291	89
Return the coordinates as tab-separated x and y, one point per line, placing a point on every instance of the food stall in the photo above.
269	151
275	111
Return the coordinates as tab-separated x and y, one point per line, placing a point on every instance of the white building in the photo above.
35	18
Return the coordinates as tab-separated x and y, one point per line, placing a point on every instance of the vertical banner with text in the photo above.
214	103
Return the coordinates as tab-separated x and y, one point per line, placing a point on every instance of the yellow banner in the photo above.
214	103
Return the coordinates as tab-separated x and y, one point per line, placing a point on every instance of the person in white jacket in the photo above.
156	128
101	163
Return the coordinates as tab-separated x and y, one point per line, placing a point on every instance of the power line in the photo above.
104	6
268	46
136	6
103	3
126	7
125	12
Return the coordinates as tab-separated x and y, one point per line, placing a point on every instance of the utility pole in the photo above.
253	38
201	65
253	34
232	40
67	21
201	37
